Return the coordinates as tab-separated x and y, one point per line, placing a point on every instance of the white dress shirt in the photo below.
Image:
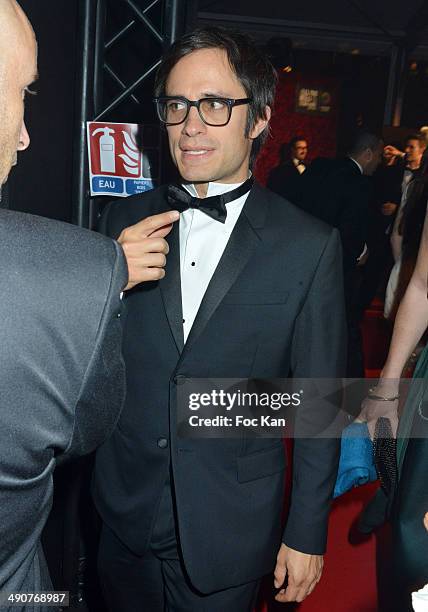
202	242
300	166
407	177
420	600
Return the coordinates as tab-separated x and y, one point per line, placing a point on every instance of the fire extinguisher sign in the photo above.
117	164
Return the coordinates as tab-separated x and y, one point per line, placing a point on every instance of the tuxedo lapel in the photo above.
237	253
170	287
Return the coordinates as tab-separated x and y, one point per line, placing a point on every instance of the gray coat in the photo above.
61	373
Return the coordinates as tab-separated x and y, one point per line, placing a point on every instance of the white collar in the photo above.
359	165
213	188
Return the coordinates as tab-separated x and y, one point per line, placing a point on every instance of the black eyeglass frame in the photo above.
231	102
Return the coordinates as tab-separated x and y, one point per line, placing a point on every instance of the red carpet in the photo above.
349	578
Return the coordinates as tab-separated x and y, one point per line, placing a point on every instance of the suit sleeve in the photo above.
61	392
103	390
318	351
353	232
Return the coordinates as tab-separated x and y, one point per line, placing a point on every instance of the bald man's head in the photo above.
18	68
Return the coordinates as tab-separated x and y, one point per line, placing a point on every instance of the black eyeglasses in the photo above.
213	111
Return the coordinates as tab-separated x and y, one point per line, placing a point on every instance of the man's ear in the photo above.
261	124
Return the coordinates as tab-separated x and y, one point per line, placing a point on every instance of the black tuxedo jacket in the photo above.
285	180
335	191
274	305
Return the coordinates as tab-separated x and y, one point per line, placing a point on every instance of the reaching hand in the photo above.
303	571
145	247
392	151
372	409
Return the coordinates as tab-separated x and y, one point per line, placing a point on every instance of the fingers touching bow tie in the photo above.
213	206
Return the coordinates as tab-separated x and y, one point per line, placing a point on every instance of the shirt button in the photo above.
162	442
179	379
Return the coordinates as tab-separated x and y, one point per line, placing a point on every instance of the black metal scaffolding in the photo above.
120	45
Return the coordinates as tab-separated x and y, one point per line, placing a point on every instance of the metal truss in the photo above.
120	44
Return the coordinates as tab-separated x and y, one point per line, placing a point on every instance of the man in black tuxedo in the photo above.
339	192
253	289
387	187
285	178
393	183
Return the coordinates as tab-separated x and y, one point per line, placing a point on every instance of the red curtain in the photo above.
320	131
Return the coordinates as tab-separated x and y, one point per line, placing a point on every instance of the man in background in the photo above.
253	290
383	207
406	230
339	192
285	178
412	149
61	370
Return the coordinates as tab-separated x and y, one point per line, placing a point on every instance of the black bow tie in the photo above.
213	206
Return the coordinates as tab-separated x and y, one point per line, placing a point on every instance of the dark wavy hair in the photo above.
250	64
419	137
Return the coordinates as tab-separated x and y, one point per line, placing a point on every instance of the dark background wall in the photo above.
319	131
358	60
41	183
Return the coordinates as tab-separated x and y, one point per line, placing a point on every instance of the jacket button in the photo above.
179	379
162	443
